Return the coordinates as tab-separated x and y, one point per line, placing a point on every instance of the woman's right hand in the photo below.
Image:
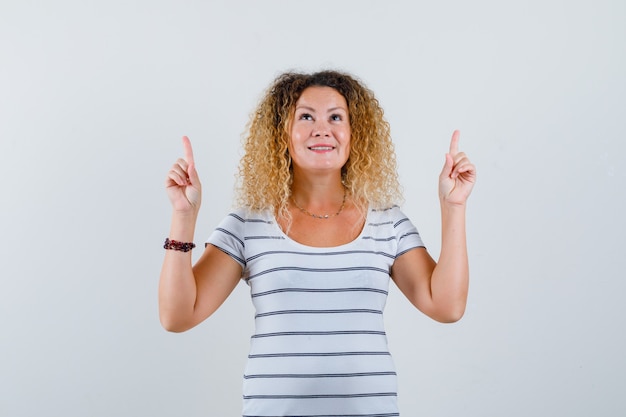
183	184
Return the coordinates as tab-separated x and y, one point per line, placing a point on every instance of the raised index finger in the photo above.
188	150
454	143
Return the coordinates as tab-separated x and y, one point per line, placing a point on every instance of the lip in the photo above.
321	147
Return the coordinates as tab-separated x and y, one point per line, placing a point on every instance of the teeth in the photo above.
321	148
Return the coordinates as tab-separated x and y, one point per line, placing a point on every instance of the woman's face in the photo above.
320	131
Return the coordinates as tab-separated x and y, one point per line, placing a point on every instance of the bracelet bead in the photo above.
172	244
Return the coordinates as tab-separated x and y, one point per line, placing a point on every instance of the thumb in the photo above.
194	178
447	167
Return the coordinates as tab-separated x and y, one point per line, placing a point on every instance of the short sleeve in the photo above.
407	236
228	236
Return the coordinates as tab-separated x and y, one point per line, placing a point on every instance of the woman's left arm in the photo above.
440	289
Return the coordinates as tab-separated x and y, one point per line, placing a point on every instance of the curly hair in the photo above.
265	171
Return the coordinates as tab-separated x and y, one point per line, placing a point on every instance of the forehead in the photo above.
319	96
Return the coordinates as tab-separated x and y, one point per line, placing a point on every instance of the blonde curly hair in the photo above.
265	171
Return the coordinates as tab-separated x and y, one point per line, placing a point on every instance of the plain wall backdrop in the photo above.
95	95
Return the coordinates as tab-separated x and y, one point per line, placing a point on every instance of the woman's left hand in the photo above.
458	175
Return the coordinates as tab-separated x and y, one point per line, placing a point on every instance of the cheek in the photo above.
347	147
348	134
296	136
347	138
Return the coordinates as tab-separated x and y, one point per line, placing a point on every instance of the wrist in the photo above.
183	226
452	212
185	216
449	205
171	244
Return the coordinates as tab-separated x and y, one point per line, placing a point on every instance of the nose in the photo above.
321	129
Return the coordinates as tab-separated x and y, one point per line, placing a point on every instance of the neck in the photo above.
318	190
318	197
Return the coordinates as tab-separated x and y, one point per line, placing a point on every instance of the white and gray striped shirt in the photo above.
319	347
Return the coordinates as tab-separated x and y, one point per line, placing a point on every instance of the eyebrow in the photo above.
328	111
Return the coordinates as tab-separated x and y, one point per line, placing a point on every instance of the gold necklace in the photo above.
321	216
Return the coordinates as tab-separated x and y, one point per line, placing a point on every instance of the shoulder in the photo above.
392	222
389	221
387	214
242	221
237	227
246	215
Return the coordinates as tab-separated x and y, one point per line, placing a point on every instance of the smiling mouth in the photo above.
321	148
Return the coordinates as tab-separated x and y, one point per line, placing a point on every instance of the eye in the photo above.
305	116
336	117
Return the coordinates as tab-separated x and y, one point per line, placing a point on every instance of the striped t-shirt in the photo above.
319	346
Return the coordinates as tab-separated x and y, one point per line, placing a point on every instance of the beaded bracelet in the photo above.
176	245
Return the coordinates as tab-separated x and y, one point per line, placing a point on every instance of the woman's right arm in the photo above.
189	294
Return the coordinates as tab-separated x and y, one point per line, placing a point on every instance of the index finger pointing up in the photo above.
188	150
454	143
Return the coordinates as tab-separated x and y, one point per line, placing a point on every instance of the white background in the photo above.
95	95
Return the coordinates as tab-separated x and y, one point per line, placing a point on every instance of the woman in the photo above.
317	236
